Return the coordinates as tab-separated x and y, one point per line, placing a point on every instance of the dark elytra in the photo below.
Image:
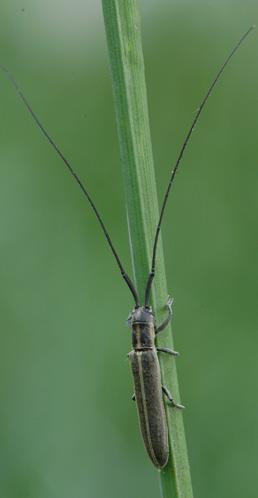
147	384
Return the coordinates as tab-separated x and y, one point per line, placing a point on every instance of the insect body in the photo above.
144	356
147	382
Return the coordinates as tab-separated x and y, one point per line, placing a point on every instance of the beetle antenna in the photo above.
78	181
174	170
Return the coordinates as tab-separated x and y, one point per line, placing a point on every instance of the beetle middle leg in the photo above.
165	322
169	396
168	351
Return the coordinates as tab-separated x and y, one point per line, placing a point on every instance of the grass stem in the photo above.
123	30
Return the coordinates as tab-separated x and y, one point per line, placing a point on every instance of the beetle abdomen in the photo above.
148	393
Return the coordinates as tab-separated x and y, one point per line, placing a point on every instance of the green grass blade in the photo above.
122	23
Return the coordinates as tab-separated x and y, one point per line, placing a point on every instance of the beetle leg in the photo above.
167	393
169	351
165	322
133	397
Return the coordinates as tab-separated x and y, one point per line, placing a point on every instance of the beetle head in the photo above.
141	314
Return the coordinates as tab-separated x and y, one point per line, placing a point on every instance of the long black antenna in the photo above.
77	179
174	171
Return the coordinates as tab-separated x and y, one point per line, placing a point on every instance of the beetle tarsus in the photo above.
170	304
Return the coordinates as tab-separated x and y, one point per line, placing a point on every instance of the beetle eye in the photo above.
129	320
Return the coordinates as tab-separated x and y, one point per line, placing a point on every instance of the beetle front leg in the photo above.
168	395
165	322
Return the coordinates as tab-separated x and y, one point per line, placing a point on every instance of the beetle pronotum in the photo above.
143	357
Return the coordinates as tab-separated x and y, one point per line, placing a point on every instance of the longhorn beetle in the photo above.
143	357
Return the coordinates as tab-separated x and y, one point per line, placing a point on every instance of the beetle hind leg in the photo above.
170	398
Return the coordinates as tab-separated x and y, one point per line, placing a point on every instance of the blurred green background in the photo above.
68	427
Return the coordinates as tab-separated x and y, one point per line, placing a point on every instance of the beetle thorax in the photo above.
143	328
